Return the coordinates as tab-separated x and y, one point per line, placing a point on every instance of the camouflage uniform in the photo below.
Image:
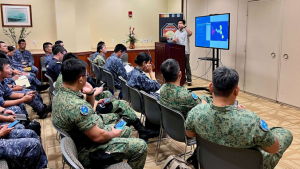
27	57
115	66
99	60
103	95
53	69
23	149
239	128
48	58
5	92
138	79
179	98
68	115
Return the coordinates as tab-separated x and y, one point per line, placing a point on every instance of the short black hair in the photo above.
99	47
45	45
142	57
58	42
21	40
3	62
120	47
181	20
68	56
100	43
57	48
225	79
10	48
170	70
72	69
1	42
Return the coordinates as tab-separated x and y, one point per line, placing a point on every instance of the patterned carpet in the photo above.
273	113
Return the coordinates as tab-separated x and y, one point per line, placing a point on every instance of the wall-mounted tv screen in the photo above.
212	31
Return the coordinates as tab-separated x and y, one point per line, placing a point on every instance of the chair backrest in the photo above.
52	87
3	164
125	89
110	80
173	123
62	132
103	75
42	65
136	99
125	58
97	72
152	110
90	59
69	152
211	156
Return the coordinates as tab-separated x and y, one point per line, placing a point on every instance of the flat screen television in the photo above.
212	31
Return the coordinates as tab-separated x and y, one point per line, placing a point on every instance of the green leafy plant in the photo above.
10	32
131	36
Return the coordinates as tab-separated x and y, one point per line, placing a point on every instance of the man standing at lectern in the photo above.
181	38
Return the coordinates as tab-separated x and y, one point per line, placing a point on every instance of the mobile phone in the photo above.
106	101
102	85
13	124
121	124
236	103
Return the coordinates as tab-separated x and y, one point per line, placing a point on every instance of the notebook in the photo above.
22	81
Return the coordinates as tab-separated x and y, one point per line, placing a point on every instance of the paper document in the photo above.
158	91
23	80
128	68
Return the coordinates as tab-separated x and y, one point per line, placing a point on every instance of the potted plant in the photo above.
131	38
10	32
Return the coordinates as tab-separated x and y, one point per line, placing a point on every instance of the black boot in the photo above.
144	133
44	113
42	87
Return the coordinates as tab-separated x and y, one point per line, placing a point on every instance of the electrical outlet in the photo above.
113	41
145	40
34	42
141	40
124	40
151	39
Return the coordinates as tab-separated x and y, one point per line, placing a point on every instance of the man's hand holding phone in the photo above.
116	132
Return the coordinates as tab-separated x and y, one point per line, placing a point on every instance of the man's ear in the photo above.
180	74
211	87
80	80
236	90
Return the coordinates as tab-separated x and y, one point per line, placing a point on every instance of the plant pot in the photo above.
132	45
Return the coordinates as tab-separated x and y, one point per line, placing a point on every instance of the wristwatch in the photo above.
91	94
184	26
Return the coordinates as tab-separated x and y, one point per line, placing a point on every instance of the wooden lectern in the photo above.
164	51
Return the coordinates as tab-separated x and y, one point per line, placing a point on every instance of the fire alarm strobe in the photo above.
130	13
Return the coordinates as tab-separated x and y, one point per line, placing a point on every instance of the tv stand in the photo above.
215	64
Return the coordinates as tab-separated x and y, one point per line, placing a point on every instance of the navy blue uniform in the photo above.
115	66
53	69
26	57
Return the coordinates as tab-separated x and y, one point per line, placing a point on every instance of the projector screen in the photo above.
212	31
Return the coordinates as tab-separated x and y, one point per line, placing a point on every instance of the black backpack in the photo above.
33	125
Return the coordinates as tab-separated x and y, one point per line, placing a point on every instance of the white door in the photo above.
289	83
264	30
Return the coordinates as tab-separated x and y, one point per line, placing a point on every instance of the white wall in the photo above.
174	6
234	57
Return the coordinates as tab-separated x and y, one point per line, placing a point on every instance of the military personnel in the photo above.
115	66
47	47
92	132
18	98
172	94
222	123
137	77
53	67
8	52
100	58
23	58
21	148
101	43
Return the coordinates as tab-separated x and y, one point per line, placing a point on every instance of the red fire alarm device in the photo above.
130	14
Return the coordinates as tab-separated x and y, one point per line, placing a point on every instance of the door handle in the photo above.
285	56
273	55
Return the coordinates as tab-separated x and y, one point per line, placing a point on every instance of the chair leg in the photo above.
158	145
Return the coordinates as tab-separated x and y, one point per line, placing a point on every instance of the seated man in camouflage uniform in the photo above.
90	131
222	123
21	148
101	43
100	57
172	94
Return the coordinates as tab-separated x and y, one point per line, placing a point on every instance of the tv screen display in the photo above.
212	31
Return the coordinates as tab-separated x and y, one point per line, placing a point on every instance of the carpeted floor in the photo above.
273	113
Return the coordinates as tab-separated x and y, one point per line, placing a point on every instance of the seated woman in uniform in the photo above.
137	78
